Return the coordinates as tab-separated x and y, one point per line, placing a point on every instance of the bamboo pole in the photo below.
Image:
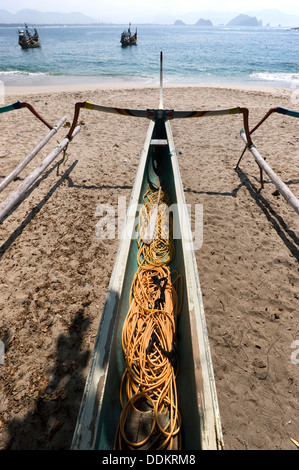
16	195
280	185
31	155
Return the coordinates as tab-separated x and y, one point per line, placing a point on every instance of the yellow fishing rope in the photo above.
161	251
148	387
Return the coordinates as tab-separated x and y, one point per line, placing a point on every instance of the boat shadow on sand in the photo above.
18	231
50	422
288	236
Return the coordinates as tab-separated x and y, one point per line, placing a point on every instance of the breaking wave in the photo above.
288	78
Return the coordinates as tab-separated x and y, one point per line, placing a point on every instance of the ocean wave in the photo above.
292	78
20	73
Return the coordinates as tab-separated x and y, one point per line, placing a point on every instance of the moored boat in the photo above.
28	39
127	39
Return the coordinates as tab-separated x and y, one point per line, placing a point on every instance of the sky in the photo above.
111	9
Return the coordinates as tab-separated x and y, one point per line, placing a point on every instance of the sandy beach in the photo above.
55	270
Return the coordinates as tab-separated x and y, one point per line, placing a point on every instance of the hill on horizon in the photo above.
272	17
37	17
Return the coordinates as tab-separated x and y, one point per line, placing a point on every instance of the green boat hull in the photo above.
100	409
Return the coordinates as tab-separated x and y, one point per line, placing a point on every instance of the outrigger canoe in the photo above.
28	39
127	39
106	419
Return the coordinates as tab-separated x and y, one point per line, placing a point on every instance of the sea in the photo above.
191	55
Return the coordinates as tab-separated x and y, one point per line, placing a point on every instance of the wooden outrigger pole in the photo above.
280	185
14	197
31	155
20	105
291	199
166	114
278	110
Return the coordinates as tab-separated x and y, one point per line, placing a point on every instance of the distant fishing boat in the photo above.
28	39
127	39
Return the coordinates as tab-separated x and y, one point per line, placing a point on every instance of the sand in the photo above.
55	271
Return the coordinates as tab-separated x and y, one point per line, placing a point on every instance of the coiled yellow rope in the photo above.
161	251
150	418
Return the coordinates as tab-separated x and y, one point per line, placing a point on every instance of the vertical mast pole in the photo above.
161	81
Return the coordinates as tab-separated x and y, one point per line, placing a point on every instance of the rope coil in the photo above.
161	251
150	417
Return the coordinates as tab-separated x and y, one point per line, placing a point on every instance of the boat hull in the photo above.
129	42
100	408
30	46
127	39
27	40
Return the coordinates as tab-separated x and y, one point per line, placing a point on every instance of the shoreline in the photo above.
32	89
